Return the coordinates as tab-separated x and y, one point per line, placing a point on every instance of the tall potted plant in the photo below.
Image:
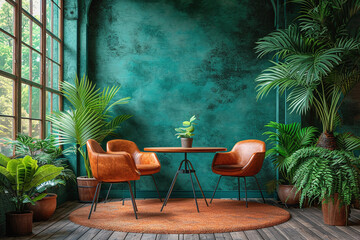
328	176
285	140
88	118
319	61
23	181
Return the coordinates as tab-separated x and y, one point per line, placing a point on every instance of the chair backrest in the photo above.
121	145
245	149
94	148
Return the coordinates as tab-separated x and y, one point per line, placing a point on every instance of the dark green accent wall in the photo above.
177	60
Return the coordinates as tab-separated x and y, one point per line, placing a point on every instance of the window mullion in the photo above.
43	71
17	90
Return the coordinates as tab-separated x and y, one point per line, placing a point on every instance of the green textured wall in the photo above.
176	60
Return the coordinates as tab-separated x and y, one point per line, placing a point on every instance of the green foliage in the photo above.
25	181
347	141
285	140
44	151
320	173
319	59
89	115
187	130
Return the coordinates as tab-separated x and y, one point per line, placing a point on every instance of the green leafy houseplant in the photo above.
45	152
319	61
320	173
186	131
24	181
285	140
89	115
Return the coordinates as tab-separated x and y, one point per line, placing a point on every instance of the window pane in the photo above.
56	72
56	21
56	51
48	46
33	7
48	128
7	16
25	29
56	102
36	103
25	126
6	96
6	131
25	59
36	36
6	53
36	66
25	109
35	131
48	14
48	73
48	103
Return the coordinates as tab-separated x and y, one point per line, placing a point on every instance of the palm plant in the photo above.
287	139
89	115
319	61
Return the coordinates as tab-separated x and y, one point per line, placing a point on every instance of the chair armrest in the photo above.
254	165
147	158
118	166
224	159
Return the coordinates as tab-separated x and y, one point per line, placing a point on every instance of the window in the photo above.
31	39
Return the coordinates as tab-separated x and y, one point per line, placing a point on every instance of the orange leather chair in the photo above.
146	162
244	160
111	168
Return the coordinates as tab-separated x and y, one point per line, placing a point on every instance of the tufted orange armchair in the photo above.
244	160
146	162
111	168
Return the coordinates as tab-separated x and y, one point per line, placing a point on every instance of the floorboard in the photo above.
306	223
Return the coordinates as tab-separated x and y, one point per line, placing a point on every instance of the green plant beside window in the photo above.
24	181
320	173
89	116
186	131
285	140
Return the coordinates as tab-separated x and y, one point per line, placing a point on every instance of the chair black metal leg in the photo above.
215	189
107	195
135	189
156	187
92	205
245	192
238	187
259	189
97	198
123	201
192	184
133	200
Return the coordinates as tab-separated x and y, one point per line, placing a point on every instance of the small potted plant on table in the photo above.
186	132
20	179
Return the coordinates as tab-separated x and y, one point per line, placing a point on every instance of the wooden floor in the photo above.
304	224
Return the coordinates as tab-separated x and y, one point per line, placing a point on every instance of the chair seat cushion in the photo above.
148	169
228	167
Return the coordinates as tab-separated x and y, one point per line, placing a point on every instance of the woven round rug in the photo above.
180	216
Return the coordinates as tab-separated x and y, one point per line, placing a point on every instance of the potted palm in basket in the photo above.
89	117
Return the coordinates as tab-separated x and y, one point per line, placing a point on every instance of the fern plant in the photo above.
285	139
320	173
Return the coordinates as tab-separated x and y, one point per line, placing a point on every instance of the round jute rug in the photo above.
180	216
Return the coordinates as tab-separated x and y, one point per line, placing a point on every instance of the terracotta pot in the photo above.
332	213
287	194
186	142
45	208
86	188
19	224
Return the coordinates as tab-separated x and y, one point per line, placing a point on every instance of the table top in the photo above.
185	150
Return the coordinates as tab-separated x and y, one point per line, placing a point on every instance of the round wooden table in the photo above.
188	167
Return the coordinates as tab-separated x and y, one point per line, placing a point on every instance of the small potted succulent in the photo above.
186	132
